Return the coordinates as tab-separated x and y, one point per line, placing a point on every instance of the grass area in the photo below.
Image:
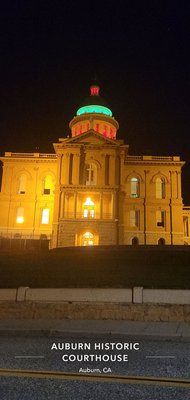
123	266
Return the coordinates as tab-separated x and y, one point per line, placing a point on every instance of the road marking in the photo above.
143	380
29	356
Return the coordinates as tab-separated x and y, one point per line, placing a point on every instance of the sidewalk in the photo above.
178	330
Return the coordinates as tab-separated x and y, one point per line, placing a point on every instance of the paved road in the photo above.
158	358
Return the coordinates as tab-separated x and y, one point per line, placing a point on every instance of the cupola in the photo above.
94	113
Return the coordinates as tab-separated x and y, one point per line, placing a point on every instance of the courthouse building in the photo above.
91	191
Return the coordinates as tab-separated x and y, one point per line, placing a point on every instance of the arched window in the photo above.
160	188
87	239
47	185
89	208
90	174
134	187
22	184
161	241
135	241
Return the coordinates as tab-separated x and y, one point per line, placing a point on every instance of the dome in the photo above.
94	103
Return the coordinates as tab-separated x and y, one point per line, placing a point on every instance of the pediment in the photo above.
91	137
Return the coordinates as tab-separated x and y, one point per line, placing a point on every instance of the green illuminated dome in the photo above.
94	103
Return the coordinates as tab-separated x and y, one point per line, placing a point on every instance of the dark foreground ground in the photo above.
123	266
155	358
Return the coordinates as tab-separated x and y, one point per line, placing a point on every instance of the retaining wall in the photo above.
136	295
135	304
94	311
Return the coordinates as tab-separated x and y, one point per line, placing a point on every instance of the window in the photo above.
186	226
45	216
161	242
91	174
135	241
22	184
160	218
85	213
160	188
47	184
89	208
88	213
97	127
134	218
134	187
20	215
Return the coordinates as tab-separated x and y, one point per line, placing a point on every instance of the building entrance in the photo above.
88	239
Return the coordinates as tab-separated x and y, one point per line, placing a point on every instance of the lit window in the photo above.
105	130
85	212
20	215
134	218
45	216
134	187
160	218
97	127
88	213
160	188
47	184
88	210
92	213
22	184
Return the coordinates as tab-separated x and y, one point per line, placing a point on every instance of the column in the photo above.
101	205
179	185
76	168
112	169
62	205
75	205
122	170
65	168
114	207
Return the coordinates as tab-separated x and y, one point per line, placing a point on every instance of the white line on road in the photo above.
160	356
29	356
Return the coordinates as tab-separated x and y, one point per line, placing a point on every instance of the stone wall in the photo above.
94	311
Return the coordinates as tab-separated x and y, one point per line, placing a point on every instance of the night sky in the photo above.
139	50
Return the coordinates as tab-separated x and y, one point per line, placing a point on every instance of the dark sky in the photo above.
140	51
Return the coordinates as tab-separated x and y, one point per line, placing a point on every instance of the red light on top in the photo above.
94	90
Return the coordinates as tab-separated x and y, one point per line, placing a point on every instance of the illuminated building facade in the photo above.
91	191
